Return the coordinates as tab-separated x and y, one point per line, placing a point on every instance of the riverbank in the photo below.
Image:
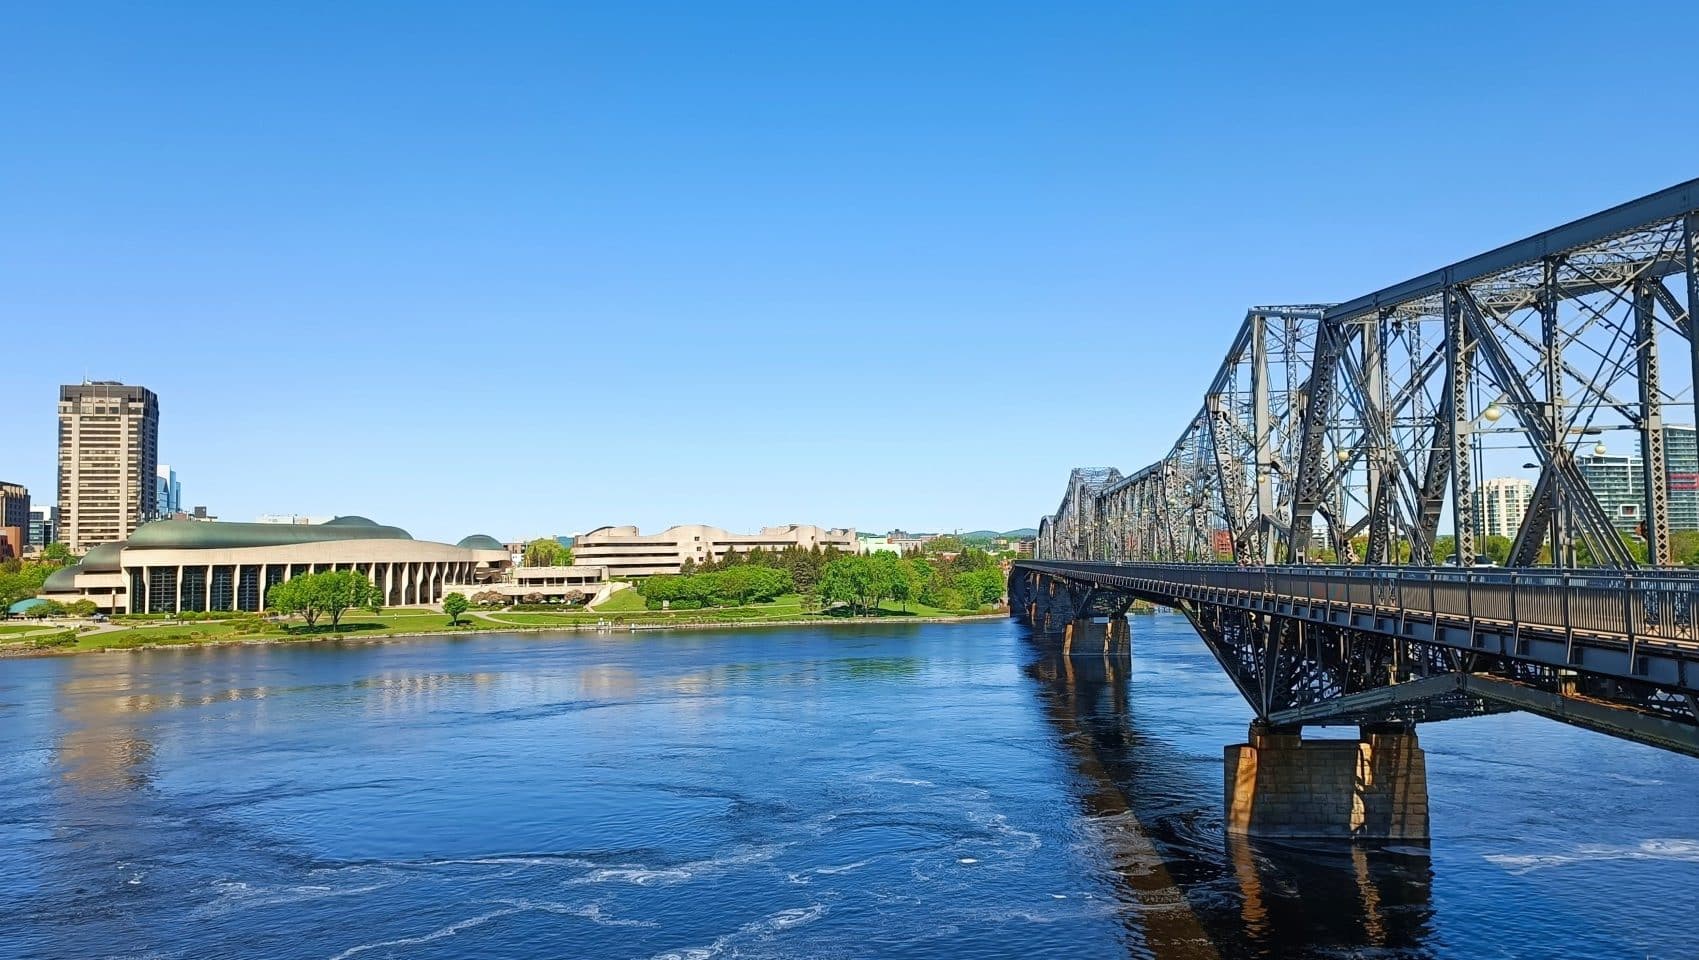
20	649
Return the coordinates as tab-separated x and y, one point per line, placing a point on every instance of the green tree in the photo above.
331	593
341	590
981	587
56	553
291	597
454	605
81	608
547	552
1684	547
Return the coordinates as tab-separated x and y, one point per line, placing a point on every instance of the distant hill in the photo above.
1023	532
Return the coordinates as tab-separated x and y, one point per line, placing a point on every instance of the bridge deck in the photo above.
1637	626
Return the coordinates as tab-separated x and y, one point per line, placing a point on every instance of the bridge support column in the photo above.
1085	636
1281	785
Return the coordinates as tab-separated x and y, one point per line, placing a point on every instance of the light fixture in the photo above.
1599	449
1344	456
1492	412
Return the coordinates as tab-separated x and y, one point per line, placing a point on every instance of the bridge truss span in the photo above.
1329	645
1321	516
1349	431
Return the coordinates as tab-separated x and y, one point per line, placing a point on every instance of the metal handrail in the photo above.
1640	605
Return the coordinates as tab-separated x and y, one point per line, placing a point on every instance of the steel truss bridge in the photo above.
1320	517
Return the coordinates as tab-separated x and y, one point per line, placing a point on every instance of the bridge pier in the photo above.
1085	636
1278	784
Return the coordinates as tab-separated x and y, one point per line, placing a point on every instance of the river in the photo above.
925	791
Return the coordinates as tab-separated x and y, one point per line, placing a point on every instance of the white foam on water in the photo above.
1676	850
1019	841
437	934
967	860
644	876
234	895
761	929
517	859
841	868
640	876
591	911
1636	781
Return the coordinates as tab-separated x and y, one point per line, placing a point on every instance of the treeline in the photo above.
23	579
963	581
734	586
805	566
957	580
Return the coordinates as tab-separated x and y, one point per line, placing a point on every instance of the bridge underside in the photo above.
1373	671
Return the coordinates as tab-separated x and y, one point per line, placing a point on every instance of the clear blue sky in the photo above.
535	268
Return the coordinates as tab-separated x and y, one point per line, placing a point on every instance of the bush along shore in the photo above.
149	631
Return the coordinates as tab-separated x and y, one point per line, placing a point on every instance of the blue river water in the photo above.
924	791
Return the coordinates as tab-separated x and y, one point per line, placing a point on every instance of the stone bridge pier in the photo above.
1372	788
1080	619
1278	783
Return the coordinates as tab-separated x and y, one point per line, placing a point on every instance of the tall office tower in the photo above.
108	462
168	493
1500	505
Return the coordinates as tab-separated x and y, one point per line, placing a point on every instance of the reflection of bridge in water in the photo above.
1297	521
1188	896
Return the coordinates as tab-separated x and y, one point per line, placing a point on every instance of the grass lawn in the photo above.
621	601
358	624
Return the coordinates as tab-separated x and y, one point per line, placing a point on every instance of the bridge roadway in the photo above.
1614	651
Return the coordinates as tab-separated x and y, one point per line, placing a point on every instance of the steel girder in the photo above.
1344	432
1325	645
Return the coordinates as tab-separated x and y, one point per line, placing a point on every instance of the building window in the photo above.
162	590
223	588
248	589
194	588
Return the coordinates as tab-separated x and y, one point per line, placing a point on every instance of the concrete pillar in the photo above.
1280	785
1085	636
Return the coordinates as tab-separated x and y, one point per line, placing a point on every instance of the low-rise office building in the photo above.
184	565
43	527
627	553
551	584
14	520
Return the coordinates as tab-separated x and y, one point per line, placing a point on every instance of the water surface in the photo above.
933	791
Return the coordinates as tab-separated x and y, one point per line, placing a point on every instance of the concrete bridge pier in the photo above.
1098	636
1374	788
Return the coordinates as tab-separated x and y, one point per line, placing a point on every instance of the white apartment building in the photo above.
108	462
627	553
1500	505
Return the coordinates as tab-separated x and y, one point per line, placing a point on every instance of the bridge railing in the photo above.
1649	605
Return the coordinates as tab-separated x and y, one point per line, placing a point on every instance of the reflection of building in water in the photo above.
102	749
1195	895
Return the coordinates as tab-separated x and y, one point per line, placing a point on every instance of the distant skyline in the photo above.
517	269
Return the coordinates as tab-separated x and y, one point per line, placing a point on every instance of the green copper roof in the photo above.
351	520
63	579
481	541
201	535
103	559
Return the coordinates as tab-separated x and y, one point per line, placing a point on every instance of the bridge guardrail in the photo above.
1650	605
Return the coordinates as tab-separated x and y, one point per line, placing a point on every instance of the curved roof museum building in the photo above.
177	565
